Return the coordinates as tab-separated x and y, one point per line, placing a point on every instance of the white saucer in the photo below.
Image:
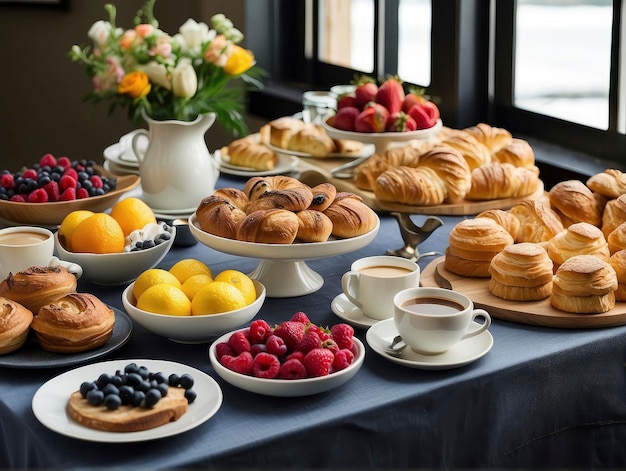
114	153
382	333
173	213
350	313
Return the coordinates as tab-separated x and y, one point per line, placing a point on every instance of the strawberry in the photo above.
52	189
275	345
345	101
291	332
345	117
241	363
421	116
69	194
431	109
372	119
265	365
414	97
310	341
292	369
259	331
331	345
222	349
400	122
298	355
239	342
343	359
318	362
342	334
390	94
364	93
37	196
300	317
323	332
48	160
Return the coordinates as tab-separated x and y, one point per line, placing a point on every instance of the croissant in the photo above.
323	196
402	156
504	218
419	186
517	152
246	153
312	140
495	181
610	183
474	152
314	226
451	167
293	199
538	222
492	137
574	202
281	130
350	216
218	216
613	215
256	186
269	226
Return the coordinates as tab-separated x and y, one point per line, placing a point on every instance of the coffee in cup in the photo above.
22	247
372	283
433	320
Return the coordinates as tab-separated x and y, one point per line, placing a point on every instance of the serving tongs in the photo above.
413	235
346	171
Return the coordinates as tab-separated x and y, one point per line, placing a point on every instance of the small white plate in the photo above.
113	153
467	351
365	151
50	402
173	213
284	164
350	313
119	169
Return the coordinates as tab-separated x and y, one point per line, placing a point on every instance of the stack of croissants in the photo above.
569	247
44	300
481	162
281	210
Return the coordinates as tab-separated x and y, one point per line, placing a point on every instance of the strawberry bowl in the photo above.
287	387
383	140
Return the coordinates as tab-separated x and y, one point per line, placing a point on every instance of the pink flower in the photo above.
162	48
144	30
108	80
127	39
218	51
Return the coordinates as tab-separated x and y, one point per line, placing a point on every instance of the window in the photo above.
545	69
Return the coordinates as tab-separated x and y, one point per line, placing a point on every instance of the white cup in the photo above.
372	282
433	320
23	247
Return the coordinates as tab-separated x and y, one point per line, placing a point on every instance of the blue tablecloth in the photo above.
542	397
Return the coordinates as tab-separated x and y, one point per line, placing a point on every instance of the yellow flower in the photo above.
240	60
135	84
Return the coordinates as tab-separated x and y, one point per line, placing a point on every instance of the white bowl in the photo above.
193	329
115	268
383	140
288	387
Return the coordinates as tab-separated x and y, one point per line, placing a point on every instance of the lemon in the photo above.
193	284
188	267
240	281
165	299
98	233
132	214
217	297
68	225
151	277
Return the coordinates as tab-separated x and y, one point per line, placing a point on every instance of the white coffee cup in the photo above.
433	320
372	282
22	247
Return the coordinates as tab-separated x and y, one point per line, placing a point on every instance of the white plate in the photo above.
165	213
366	151
350	313
113	153
284	164
287	387
119	169
465	352
50	401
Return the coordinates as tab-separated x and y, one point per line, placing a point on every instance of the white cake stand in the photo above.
282	268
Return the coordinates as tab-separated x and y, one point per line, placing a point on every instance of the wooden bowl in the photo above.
53	213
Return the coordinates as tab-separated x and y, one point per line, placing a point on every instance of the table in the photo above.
541	397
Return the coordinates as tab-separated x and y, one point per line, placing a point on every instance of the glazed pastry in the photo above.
293	199
76	322
218	216
255	187
419	186
517	152
233	195
15	322
269	226
504	218
474	152
584	284
37	286
613	215
323	196
521	272
314	226
246	153
350	216
578	239
574	202
492	137
611	183
497	181
538	222
452	168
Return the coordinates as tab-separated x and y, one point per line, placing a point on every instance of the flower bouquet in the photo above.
179	77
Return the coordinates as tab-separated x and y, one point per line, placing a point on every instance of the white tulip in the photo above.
99	32
184	79
157	73
194	34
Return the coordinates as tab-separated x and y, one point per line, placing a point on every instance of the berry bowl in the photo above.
116	268
288	387
193	329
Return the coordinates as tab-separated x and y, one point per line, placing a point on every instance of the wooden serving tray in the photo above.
525	312
315	171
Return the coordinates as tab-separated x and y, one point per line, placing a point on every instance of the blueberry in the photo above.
159	377
174	380
165	236
144	372
152	397
190	395
133	379
86	387
112	401
163	388
110	389
148	244
137	399
95	397
131	368
103	380
186	381
143	386
126	394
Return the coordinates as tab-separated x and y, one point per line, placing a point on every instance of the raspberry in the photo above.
292	369
7	181
331	345
18	199
67	181
239	342
342	334
259	331
343	359
48	160
30	173
323	332
71	172
300	317
222	349
265	365
298	355
275	345
242	363
257	348
38	196
291	332
64	162
96	181
68	195
310	341
52	189
318	362
82	193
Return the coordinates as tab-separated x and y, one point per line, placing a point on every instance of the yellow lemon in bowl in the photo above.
194	283
165	299
187	267
152	277
69	223
240	281
217	297
132	214
98	233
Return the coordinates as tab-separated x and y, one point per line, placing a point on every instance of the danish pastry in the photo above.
15	322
